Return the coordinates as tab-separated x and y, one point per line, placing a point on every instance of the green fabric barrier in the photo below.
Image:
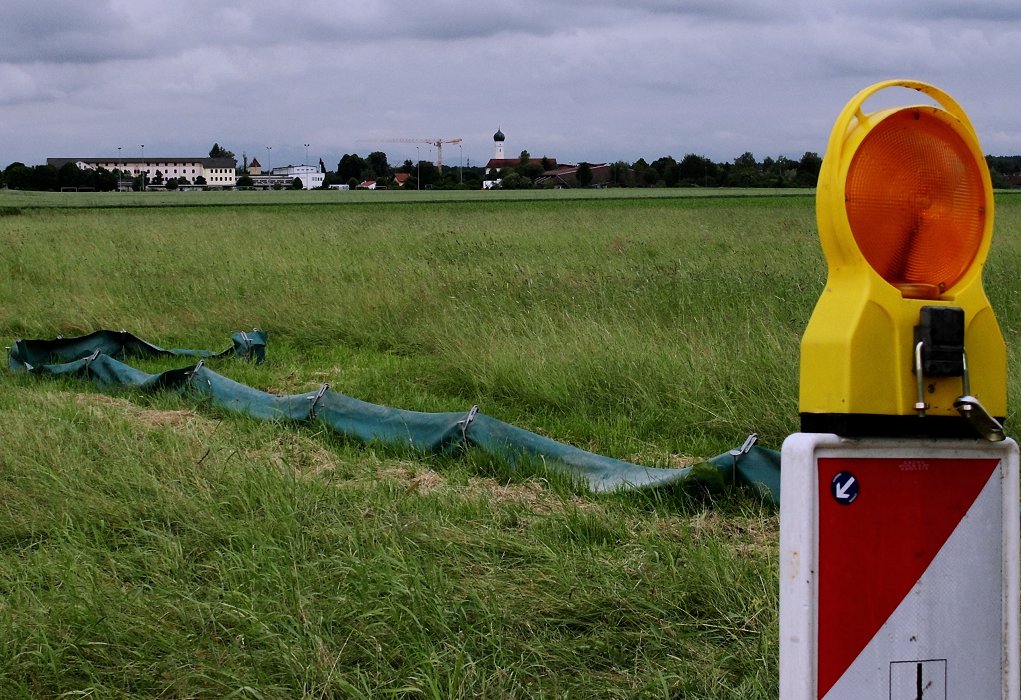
95	357
25	354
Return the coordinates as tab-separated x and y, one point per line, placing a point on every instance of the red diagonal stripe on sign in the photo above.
872	551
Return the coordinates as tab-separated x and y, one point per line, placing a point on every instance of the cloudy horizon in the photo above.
576	80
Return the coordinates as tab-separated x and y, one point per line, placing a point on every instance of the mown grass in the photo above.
150	547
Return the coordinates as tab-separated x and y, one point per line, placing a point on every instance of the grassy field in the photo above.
18	198
153	548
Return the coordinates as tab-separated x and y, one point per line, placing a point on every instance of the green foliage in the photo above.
219	152
427	173
377	163
1005	171
513	180
584	174
48	178
808	169
351	167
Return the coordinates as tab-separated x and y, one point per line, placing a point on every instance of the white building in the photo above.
311	176
217	172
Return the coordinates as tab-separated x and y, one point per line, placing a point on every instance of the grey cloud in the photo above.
927	11
63	33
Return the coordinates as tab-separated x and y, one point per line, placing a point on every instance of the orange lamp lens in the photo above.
915	203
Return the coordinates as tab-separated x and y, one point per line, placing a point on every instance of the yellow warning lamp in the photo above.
903	340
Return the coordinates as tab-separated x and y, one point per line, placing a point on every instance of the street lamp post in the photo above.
460	166
418	166
143	167
269	164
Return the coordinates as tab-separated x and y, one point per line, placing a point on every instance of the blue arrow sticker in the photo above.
844	488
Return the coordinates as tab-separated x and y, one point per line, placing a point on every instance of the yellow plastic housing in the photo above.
905	213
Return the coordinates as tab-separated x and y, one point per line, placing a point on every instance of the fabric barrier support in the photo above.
95	356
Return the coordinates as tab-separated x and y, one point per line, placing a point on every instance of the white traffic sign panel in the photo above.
899	569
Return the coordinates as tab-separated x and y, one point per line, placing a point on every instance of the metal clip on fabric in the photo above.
315	399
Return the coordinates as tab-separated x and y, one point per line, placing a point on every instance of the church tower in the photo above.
498	138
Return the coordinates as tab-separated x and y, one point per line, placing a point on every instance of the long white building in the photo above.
217	172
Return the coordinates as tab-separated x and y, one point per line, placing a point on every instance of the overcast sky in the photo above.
590	80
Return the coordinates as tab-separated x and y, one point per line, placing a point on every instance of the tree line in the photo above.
352	169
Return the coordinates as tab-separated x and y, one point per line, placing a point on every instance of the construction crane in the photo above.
438	143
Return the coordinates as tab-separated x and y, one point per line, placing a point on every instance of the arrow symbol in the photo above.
843	490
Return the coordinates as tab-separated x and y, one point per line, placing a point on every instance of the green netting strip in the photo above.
95	356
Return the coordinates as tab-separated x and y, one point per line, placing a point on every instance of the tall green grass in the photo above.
153	548
632	327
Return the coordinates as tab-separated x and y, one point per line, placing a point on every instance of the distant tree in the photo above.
621	174
783	171
808	169
584	174
17	176
46	177
322	166
351	165
668	171
378	164
69	175
645	173
158	180
217	152
513	180
527	168
693	170
245	181
296	184
101	179
745	172
200	180
172	183
1003	170
471	179
353	182
427	173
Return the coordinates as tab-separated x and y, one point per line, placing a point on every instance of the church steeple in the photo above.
498	138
